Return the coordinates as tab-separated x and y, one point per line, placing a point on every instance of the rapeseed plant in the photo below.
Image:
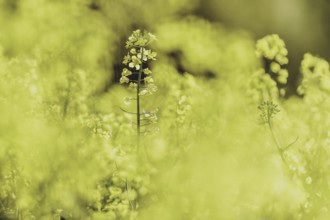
139	76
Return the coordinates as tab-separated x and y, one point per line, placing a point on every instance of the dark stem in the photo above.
138	120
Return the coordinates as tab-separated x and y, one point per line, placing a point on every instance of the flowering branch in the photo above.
136	74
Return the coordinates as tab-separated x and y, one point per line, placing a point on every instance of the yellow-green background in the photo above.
64	140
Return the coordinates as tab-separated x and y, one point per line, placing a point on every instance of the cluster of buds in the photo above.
136	60
262	87
272	48
268	83
316	74
268	110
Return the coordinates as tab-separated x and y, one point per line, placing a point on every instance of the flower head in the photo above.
126	72
140	39
147	71
135	63
124	79
268	111
148	79
127	59
272	48
137	57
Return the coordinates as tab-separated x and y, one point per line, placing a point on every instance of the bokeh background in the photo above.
67	150
103	25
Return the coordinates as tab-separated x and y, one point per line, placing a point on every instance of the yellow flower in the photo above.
124	79
135	63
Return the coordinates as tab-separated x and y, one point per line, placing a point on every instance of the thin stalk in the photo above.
277	142
138	116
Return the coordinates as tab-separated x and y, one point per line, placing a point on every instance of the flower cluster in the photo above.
268	111
98	124
119	195
140	39
272	49
263	87
316	74
268	83
150	116
137	70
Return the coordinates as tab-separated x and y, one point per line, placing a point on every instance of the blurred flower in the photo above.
268	110
147	71
124	79
148	79
272	48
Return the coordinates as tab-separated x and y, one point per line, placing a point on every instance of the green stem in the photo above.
138	115
277	142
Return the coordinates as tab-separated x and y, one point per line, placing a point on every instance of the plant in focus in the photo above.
138	76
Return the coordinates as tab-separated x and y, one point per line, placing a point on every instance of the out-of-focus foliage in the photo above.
265	83
194	45
68	151
303	24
